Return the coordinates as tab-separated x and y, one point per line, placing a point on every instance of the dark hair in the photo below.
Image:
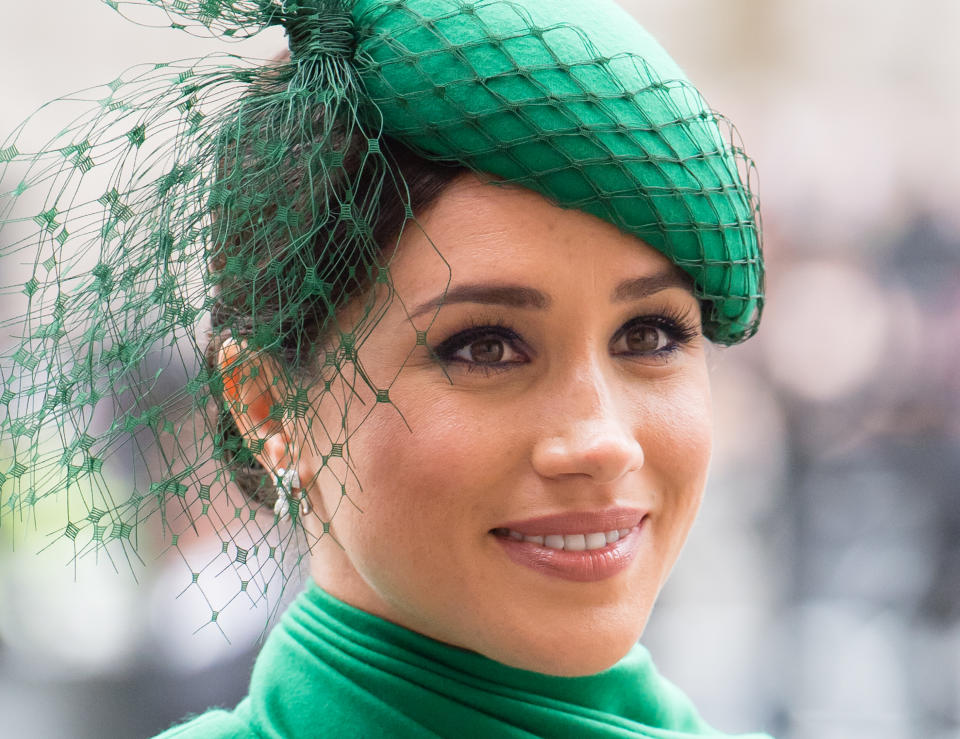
232	315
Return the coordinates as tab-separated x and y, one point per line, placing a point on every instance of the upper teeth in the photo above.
570	542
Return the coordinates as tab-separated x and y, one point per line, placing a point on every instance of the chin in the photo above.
576	663
567	653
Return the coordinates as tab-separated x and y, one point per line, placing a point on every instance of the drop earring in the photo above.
287	480
304	503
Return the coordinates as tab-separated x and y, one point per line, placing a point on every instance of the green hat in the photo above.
578	102
249	194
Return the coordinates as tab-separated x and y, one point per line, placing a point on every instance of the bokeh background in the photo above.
819	594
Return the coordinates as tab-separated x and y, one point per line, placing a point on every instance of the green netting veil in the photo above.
195	201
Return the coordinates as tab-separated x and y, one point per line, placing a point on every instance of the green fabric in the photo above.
329	669
574	100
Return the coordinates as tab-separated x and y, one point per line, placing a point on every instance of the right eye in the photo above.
481	347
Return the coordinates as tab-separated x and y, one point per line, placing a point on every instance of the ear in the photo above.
253	390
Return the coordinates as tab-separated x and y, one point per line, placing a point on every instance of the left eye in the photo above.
645	338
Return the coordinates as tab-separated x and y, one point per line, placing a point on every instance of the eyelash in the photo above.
675	323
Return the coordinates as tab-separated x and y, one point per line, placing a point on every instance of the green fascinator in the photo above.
186	203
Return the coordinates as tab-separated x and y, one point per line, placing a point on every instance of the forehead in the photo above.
481	229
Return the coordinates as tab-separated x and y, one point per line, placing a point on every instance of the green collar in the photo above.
331	669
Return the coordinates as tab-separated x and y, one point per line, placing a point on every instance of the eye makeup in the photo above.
676	326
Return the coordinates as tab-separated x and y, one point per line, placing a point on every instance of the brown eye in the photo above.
486	350
489	349
642	339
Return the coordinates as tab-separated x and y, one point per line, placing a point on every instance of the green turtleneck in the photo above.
331	670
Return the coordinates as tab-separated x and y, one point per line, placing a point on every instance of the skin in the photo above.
580	420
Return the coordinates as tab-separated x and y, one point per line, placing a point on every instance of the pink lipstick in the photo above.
583	547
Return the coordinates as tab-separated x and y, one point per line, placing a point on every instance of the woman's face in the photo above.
568	398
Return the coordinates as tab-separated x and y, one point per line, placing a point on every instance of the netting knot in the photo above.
316	28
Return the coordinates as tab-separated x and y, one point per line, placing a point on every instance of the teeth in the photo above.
595	541
568	542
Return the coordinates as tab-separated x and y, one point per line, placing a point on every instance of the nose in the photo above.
591	435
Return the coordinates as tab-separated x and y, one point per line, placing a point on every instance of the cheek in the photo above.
681	435
423	482
674	421
678	444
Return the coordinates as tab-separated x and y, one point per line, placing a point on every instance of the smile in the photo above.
557	546
567	542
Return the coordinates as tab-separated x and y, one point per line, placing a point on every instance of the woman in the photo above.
464	262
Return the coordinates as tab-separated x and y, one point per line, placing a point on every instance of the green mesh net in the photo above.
187	203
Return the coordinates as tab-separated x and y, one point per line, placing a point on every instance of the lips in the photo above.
585	522
587	565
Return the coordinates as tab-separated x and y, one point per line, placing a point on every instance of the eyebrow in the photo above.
521	296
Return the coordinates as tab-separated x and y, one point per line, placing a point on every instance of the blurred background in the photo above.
819	594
